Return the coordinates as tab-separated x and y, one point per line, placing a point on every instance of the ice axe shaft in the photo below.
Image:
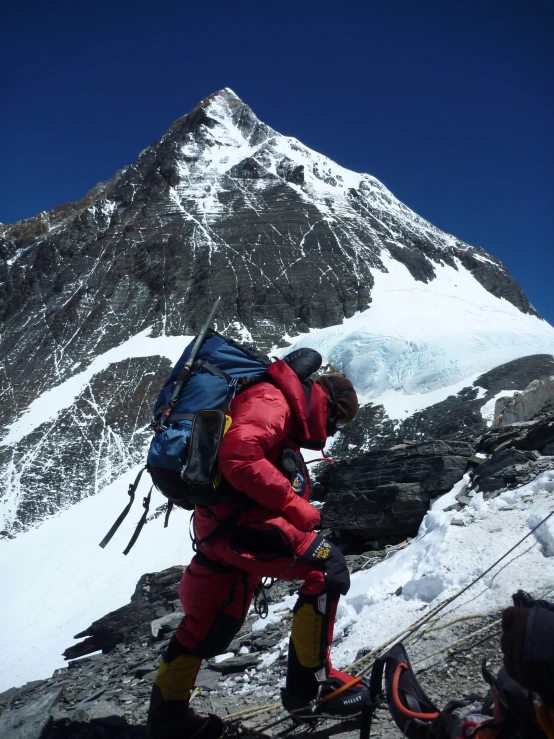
200	338
185	372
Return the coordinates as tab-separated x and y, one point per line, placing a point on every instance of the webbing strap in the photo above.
366	719
185	373
146	504
123	514
340	690
199	364
181	417
168	513
216	371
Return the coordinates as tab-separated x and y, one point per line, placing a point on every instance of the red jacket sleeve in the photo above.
262	418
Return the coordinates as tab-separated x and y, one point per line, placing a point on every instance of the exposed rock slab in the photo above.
515	455
154	598
386	493
537	397
30	719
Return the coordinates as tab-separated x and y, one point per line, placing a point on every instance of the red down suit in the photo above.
269	533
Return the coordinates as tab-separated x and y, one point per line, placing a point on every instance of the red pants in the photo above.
216	592
218	586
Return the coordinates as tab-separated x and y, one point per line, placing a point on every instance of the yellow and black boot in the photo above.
313	688
169	714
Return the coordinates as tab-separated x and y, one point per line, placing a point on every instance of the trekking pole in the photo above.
185	373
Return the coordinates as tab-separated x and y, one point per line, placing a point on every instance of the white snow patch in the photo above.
444	558
448	499
222	657
545	533
56	580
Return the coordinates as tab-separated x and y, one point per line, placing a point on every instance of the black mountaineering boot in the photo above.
339	697
175	720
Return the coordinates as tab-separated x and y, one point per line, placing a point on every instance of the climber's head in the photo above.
343	401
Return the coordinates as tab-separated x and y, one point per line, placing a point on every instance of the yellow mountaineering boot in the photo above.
314	688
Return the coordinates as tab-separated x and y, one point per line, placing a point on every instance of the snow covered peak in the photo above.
226	96
229	140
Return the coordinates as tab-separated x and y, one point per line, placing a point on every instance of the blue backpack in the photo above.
182	459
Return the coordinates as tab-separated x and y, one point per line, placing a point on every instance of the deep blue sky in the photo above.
450	103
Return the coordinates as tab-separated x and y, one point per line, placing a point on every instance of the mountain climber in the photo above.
269	532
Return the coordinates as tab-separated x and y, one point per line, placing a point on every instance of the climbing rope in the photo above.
410	630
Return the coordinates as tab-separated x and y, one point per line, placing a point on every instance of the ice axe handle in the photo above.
200	338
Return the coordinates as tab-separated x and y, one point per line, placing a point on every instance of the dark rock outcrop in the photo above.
515	455
155	596
385	494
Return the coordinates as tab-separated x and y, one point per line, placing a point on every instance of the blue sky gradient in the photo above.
450	103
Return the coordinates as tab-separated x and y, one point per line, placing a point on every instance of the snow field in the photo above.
419	343
445	557
56	580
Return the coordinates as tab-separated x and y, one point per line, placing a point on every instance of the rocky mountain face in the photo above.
385	494
221	205
382	496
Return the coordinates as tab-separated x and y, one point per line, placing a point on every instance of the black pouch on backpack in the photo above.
200	471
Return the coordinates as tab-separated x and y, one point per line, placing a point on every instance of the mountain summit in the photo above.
223	205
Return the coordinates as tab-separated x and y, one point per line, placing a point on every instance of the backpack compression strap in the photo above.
146	505
164	415
131	493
